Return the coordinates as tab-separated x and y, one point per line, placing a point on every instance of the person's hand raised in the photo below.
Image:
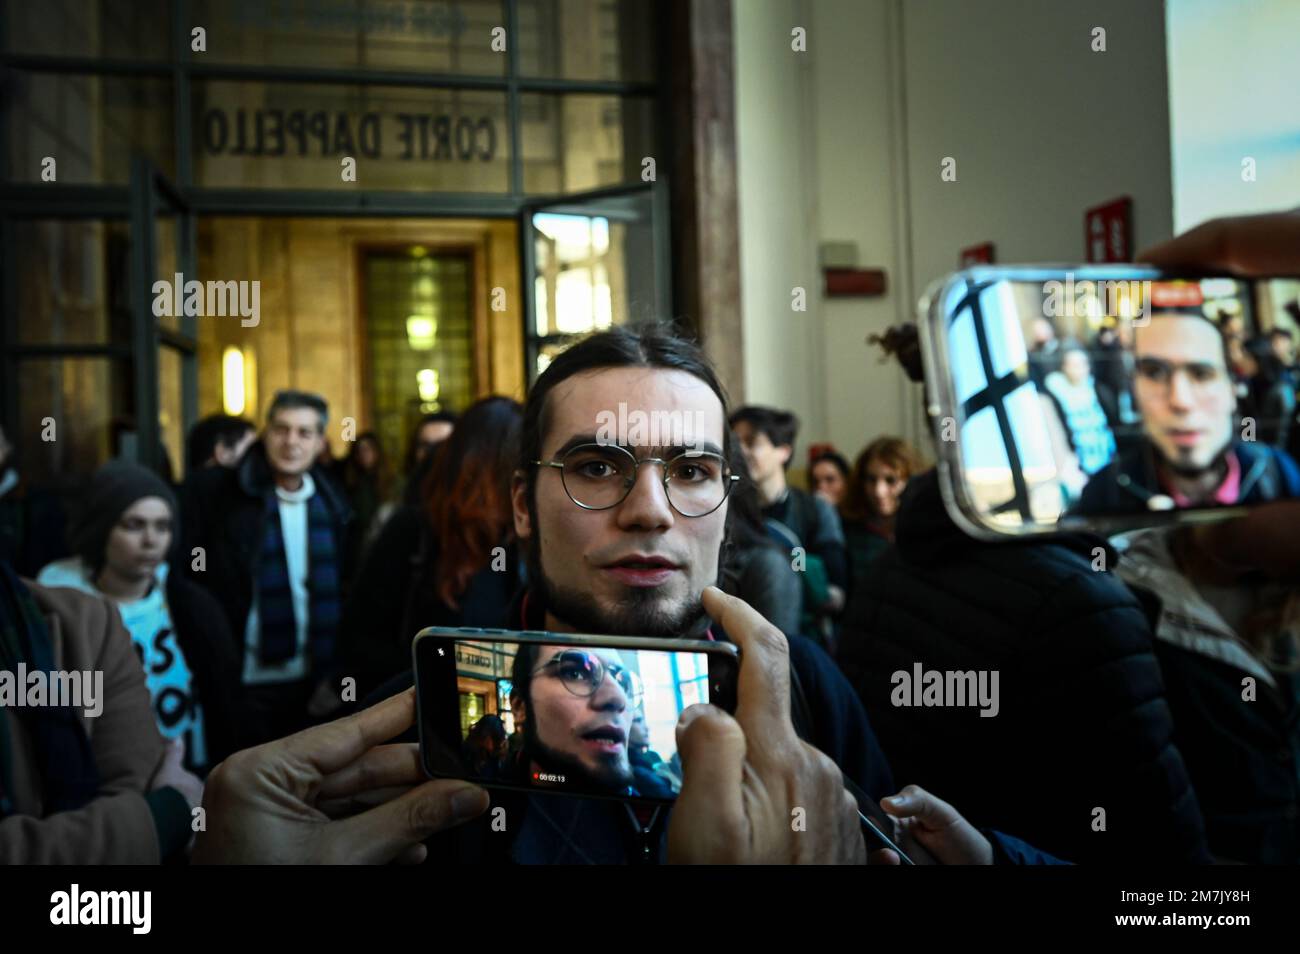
1248	245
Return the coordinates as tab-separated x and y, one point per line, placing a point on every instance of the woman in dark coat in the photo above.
880	475
446	562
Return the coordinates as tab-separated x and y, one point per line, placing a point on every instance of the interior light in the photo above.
427	382
233	381
421	332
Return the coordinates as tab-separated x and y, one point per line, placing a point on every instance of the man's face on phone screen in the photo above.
575	726
1184	391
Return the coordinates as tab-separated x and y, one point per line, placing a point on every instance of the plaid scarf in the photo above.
279	632
64	756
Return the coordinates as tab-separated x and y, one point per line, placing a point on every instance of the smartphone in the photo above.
1109	397
564	713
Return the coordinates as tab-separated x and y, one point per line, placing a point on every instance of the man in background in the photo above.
267	540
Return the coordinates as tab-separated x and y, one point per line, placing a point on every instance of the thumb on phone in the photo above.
709	816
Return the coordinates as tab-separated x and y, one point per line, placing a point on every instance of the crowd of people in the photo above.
271	598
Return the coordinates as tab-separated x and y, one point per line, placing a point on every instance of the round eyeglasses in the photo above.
582	672
600	476
1202	376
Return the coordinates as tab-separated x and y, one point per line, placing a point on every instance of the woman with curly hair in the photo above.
879	477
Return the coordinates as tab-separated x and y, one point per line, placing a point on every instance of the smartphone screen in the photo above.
1078	397
570	717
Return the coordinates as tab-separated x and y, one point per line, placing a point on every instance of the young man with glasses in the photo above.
626	546
1189	455
623	539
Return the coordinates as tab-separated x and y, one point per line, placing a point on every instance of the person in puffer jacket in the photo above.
1079	759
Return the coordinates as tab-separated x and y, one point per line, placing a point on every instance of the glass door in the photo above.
166	300
591	261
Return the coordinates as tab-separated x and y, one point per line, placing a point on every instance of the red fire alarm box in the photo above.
1108	231
848	282
981	254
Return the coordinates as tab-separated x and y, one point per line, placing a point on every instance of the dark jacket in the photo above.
1126	484
394	597
1083	722
1243	754
223	510
816	528
864	543
32	528
761	575
209	651
565	829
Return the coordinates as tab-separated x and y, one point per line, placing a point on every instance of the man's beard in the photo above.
636	614
1189	471
559	763
640	613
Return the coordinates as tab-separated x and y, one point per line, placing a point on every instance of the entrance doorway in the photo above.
387	319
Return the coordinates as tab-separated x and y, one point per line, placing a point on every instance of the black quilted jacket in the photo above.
1083	723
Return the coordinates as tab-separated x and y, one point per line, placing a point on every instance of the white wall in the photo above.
776	195
857	186
1041	126
1229	106
805	119
845	142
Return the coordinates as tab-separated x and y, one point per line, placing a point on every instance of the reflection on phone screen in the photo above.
583	719
1113	398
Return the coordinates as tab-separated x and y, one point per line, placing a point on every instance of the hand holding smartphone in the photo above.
579	714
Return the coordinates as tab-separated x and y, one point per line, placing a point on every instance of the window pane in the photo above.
579	142
295	136
547	351
593	271
90	126
427	36
1002	328
72	278
111	29
964	353
88	400
984	457
588	39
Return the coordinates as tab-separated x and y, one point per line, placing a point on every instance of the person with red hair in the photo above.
448	560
